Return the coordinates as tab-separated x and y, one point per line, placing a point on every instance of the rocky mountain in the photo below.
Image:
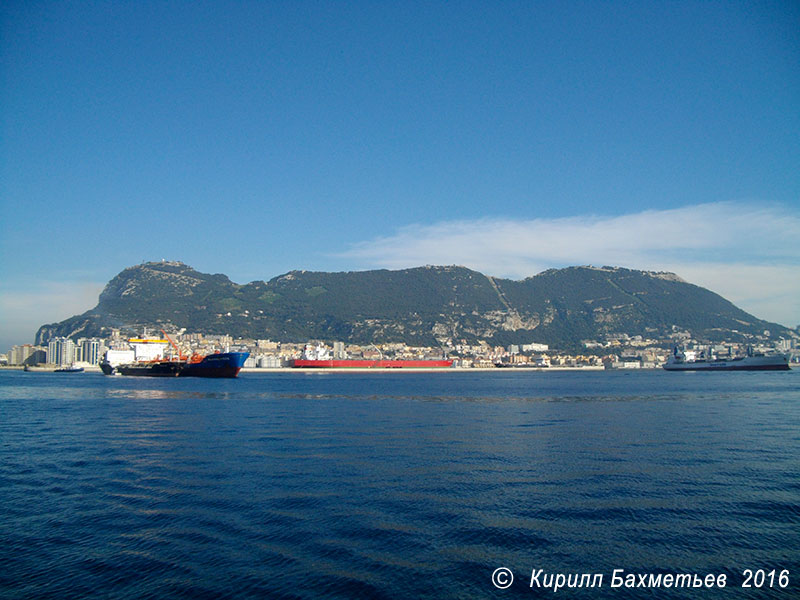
425	305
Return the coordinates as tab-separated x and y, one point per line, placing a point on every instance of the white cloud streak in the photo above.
747	253
24	312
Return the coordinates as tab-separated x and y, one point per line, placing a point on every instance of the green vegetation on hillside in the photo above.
426	305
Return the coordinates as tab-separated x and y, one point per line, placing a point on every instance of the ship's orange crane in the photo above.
194	358
174	345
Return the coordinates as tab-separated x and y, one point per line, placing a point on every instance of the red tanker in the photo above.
307	363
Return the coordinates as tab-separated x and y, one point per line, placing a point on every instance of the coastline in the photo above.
47	368
415	370
272	370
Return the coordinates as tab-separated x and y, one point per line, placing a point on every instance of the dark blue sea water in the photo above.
396	485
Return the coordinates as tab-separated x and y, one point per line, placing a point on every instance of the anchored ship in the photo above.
69	369
223	364
147	357
319	358
690	360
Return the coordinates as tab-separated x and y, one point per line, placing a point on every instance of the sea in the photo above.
452	484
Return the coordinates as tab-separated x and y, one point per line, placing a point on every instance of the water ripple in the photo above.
391	486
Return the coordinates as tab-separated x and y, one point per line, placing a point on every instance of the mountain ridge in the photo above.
422	305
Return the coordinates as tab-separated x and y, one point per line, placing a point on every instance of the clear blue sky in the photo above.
252	138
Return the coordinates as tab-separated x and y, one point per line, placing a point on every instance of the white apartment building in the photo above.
61	351
91	350
19	354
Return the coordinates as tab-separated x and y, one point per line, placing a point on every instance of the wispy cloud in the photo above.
23	312
749	254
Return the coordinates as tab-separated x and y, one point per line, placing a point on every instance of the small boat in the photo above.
690	360
69	369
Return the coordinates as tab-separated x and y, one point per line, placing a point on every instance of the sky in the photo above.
254	138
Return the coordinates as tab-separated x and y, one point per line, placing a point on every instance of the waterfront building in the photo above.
61	351
91	351
541	360
270	362
21	355
338	351
535	347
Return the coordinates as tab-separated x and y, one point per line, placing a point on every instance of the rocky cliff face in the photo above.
426	305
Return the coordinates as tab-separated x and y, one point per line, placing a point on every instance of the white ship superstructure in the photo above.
691	360
139	350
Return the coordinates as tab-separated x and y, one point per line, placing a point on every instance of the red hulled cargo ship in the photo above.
349	363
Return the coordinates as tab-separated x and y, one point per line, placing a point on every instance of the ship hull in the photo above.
749	363
302	363
157	369
227	364
223	365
